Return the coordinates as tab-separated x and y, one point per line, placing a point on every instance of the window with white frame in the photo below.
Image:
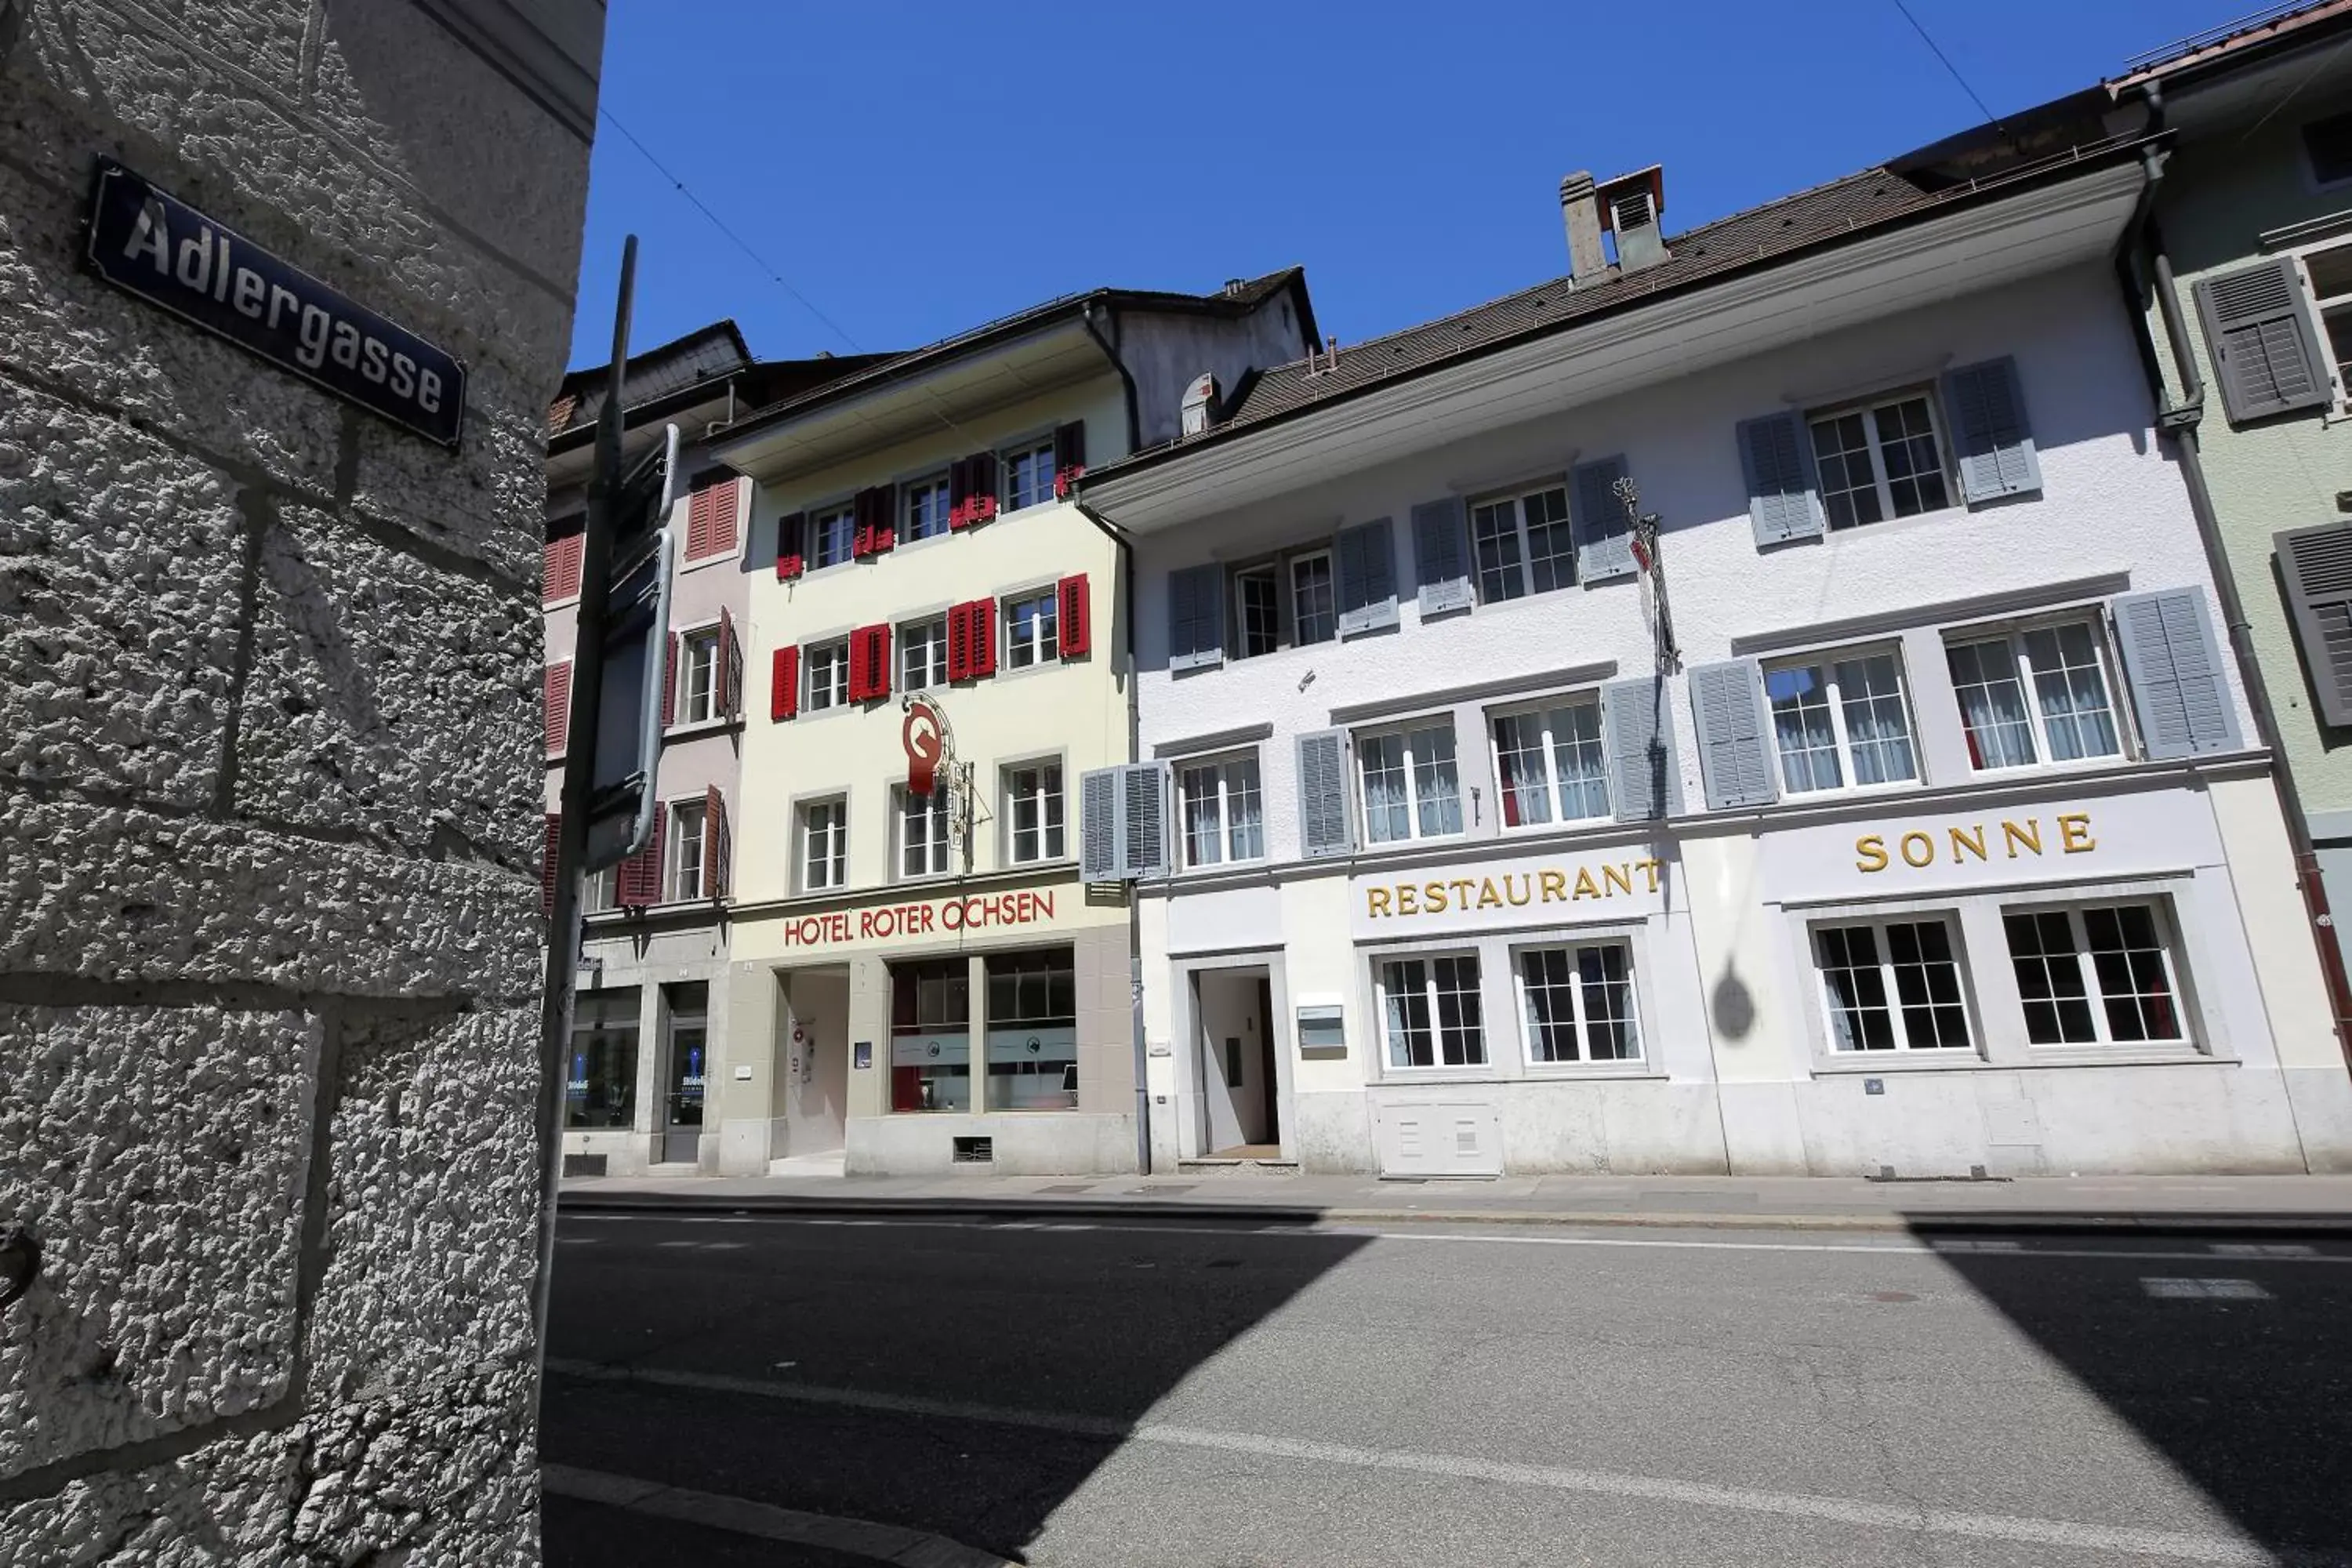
2095	975
1429	1011
833	534
697	679
828	675
2043	693
922	654
1840	720
1891	984
1883	460
1408	783
1279	600
1314	601
1222	820
923	506
922	833
1031	635
2329	269
1524	544
1549	763
1578	1003
1032	813
601	891
1029	475
824	845
686	828
1257	609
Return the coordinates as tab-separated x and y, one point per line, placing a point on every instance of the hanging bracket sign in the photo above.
204	272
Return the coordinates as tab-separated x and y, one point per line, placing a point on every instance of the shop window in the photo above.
1892	985
1031	636
1032	1031
923	838
1407	783
601	1091
923	655
1578	1002
925	503
1429	1011
2095	975
833	535
824	845
827	664
1550	763
1840	720
1881	460
1524	544
699	676
1028	475
2040	693
931	1036
1221	803
687	824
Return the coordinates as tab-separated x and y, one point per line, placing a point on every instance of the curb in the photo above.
2010	1223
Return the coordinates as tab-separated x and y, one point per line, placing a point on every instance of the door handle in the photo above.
20	1262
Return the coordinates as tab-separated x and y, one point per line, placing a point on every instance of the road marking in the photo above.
1956	1245
741	1516
2263	1249
2175	1545
2204	1289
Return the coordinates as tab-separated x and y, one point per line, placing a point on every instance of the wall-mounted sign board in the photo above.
172	255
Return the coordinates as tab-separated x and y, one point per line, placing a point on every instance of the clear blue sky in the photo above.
916	167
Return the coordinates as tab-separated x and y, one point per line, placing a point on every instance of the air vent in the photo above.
975	1151
584	1164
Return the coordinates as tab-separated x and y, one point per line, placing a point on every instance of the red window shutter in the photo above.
872	509
983	639
858	676
559	706
1069	455
560	574
784	685
697	525
959	642
547	864
714	835
669	678
641	874
788	530
960	494
877	662
984	485
730	664
1072	609
726	500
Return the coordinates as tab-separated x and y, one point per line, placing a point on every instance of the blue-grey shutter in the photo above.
1644	784
1143	818
1324	824
2174	664
2315	565
1776	453
2264	348
1441	557
1196	617
1735	760
1605	538
1101	841
1989	433
1368	597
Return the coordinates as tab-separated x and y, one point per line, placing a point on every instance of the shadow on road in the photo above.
2173	1345
1007	1317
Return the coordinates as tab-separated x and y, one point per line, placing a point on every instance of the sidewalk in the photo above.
2287	1205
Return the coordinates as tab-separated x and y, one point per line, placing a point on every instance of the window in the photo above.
686	828
1029	475
1429	1008
1032	813
2099	974
2328	144
699	676
828	675
1840	720
1031	635
1032	1031
1880	461
832	534
1314	604
1257	610
1578	1004
1223	821
601	892
1286	600
930	1034
1409	790
1523	545
1550	765
824	845
1892	985
925	502
601	1088
922	833
922	654
2040	693
2330	271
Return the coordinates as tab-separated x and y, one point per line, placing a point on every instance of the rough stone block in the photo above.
158	1155
223	1506
390	698
132	895
119	570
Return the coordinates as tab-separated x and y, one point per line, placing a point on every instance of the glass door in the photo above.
685	1064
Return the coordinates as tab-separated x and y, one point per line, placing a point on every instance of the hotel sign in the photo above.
175	257
923	918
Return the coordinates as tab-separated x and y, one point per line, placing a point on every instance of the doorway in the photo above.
815	1062
1239	1074
685	1058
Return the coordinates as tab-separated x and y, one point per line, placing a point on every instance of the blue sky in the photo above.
916	167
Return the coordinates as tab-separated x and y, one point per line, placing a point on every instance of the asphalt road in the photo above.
1088	1395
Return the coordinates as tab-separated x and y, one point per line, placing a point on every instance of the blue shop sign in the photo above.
169	254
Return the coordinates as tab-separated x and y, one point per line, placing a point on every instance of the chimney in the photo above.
1581	213
1630	207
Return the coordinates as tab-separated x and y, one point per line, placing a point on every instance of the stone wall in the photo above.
269	931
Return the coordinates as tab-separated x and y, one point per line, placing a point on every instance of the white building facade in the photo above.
1893	811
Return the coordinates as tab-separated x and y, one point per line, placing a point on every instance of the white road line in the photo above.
2174	1545
2203	1289
1952	1246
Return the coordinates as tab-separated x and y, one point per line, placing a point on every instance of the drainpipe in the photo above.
1126	543
1127	379
2142	245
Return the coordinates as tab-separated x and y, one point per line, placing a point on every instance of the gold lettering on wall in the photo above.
2074	832
1870	853
1917	846
1547	885
2028	833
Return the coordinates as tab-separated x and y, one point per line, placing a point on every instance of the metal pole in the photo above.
579	773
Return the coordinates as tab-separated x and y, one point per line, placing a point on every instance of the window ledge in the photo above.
1581	1072
713	558
699	728
2040	1056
